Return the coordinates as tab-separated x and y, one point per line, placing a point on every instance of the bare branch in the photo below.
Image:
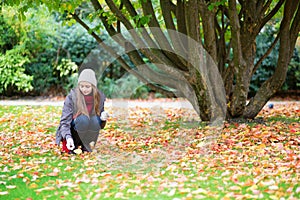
155	55
166	12
209	29
192	20
267	18
180	14
120	59
256	66
176	41
236	38
295	27
158	35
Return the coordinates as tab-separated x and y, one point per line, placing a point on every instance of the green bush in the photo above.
74	43
66	70
43	77
8	37
53	51
126	87
267	67
293	76
71	82
12	72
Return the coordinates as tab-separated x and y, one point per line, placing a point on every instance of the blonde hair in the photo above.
80	102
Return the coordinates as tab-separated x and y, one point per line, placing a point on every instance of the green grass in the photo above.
233	167
283	119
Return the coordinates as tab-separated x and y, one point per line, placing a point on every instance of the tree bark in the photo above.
239	95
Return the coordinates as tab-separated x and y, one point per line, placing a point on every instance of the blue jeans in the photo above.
83	123
85	130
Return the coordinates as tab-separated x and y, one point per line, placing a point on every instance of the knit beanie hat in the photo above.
88	75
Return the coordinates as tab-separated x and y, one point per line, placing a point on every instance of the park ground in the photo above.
154	149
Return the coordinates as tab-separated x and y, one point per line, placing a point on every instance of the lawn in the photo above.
144	155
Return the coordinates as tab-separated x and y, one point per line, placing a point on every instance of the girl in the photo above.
82	116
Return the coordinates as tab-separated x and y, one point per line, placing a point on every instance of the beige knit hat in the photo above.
88	75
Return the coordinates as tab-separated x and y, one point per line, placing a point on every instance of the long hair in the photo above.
80	102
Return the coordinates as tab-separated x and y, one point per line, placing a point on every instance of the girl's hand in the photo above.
104	116
70	144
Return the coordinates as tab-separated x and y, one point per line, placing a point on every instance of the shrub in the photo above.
12	72
126	87
53	51
267	68
8	37
66	71
43	78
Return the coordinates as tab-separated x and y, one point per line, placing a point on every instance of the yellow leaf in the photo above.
261	146
78	151
33	185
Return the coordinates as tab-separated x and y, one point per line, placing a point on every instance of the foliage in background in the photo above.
12	60
293	75
8	36
12	72
128	87
267	67
53	51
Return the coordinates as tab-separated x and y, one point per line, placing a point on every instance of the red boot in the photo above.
64	147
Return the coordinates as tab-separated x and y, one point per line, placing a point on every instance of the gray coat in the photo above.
68	111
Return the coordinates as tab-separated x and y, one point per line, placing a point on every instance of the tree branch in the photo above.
236	38
240	91
133	53
162	54
133	14
256	66
192	20
295	27
129	8
265	7
221	49
158	34
180	14
209	29
267	18
119	58
166	12
176	40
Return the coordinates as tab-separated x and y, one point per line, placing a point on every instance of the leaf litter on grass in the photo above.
152	155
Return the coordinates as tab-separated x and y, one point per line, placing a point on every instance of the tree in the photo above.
226	29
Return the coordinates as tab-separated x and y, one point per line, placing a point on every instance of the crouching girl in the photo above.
82	116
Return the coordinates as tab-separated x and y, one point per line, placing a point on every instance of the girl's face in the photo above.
85	88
